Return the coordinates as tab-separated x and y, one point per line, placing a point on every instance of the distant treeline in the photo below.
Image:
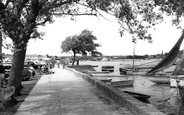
119	57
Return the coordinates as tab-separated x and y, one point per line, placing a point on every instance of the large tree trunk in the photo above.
17	68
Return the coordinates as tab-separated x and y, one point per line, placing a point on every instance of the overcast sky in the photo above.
106	31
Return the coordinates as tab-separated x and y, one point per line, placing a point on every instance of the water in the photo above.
164	98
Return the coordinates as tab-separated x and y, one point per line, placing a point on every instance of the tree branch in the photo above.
59	14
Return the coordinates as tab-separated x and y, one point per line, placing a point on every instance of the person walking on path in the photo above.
64	93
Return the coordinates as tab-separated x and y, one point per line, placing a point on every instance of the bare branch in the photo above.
59	14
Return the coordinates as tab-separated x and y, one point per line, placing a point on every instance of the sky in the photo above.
106	31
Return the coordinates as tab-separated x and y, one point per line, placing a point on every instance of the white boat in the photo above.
160	80
154	74
123	83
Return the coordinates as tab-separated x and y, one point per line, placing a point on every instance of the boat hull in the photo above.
98	72
107	80
131	72
108	68
160	79
139	96
122	83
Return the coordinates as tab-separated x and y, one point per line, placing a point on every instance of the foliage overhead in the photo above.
134	16
173	8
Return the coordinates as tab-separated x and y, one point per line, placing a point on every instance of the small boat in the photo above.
109	75
107	80
98	72
108	68
139	96
160	80
123	83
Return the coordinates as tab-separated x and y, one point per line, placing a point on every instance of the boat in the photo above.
139	96
108	75
156	74
98	72
108	68
136	69
107	80
123	83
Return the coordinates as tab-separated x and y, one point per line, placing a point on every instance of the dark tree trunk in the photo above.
73	58
1	44
17	68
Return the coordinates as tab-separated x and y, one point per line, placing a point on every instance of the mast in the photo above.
133	57
134	41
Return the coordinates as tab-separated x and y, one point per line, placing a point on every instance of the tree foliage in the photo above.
81	44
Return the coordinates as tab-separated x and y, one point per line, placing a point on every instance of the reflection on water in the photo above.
164	98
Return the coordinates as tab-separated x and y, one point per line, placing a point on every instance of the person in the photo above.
78	62
2	74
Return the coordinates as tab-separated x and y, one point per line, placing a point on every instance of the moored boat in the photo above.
123	83
107	80
160	80
139	96
108	68
98	72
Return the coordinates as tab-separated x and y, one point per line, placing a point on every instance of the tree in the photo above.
80	44
19	20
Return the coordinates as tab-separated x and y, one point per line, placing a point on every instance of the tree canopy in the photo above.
82	43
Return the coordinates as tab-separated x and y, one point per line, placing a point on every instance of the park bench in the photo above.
5	93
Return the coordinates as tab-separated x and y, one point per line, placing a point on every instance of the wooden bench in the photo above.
5	93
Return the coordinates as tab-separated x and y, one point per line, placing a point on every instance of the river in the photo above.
163	97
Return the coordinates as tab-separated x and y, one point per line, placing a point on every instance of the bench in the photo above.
5	92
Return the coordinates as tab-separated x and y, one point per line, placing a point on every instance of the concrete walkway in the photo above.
63	93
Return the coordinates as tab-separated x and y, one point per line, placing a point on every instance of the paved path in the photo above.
63	93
